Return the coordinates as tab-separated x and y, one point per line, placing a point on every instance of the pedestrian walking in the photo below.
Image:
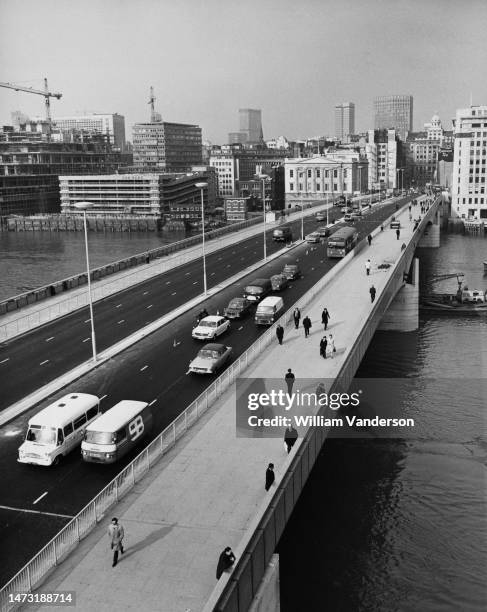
280	333
331	342
369	239
325	317
115	535
410	208
398	233
296	317
290	437
323	345
289	378
225	561
367	267
306	325
381	228
372	292
269	476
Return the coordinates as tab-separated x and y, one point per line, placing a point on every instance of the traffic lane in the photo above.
113	375
156	369
64	344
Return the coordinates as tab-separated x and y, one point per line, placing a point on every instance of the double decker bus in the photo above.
342	242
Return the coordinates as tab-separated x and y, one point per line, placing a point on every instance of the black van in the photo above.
257	289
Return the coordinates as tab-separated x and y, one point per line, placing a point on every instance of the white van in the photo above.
58	429
116	431
269	310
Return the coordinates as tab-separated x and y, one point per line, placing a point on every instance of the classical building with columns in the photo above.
316	178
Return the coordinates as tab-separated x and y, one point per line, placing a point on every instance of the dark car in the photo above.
291	271
237	308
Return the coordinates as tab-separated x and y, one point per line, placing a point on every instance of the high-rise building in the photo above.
167	147
250	131
394	112
386	160
112	125
344	120
469	199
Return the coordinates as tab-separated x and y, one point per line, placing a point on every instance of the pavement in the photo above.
33	315
206	492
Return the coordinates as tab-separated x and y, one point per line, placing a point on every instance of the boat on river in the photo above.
464	302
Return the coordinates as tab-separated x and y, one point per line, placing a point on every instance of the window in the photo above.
120	436
317	174
309	173
81	420
92	412
68	430
291	173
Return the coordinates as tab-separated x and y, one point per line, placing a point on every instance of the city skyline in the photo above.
355	55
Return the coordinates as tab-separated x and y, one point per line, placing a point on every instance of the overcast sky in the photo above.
207	58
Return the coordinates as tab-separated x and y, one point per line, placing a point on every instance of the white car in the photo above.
210	327
313	237
210	359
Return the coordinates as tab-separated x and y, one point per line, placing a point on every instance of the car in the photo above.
237	308
313	237
348	218
356	214
279	282
323	231
210	359
320	216
345	209
210	327
291	271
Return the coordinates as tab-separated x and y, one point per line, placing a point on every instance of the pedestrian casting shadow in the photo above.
149	539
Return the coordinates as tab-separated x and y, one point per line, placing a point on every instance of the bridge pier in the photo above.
267	598
403	313
431	235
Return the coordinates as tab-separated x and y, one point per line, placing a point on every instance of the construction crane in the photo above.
152	99
46	93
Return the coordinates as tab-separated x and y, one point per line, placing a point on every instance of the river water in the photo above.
33	259
400	525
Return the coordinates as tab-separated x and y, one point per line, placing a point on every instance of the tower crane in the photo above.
46	93
152	99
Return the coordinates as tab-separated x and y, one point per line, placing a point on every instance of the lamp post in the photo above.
201	187
84	206
360	179
264	178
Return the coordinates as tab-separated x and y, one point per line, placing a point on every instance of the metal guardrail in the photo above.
32	574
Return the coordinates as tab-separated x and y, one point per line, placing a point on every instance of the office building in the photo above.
112	125
250	127
469	199
344	121
387	166
394	112
166	147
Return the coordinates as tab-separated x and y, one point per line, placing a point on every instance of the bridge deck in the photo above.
205	494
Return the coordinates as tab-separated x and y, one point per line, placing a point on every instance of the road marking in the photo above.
212	274
122	321
86	340
255	252
49	339
321	260
228	265
144	368
103	397
187	273
312	269
68	516
45	361
118	305
87	320
219	259
195	283
168	282
5	360
150	306
145	293
173	293
240	328
153	402
39	498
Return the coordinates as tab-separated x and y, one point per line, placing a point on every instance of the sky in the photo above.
207	58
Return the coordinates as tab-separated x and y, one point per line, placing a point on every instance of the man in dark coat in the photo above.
372	292
280	333
115	535
290	437
323	345
398	233
269	476
296	317
369	239
325	317
289	378
225	561
306	325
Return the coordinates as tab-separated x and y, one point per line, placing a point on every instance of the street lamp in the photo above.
201	186
84	206
263	178
360	179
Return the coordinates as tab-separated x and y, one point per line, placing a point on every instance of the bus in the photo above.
116	431
342	242
55	431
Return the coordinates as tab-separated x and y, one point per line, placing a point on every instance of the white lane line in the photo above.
212	274
168	282
45	361
103	397
187	273
240	328
122	321
153	402
195	283
5	360
173	293
86	339
49	339
87	320
144	368
118	305
150	306
39	498
228	265
145	293
68	516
